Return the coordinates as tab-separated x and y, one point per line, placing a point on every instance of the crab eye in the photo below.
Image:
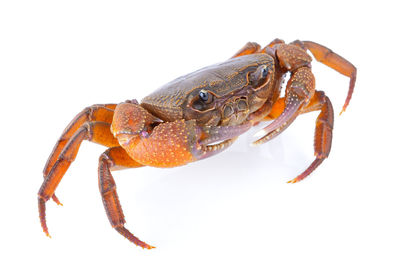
261	76
203	95
264	72
203	100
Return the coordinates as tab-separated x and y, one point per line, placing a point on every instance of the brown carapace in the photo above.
199	115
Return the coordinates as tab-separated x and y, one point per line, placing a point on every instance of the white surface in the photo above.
232	213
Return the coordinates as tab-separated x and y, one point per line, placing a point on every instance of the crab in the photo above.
199	115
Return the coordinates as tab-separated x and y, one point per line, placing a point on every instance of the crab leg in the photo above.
253	47
323	131
102	113
323	128
115	158
166	144
249	48
334	61
66	150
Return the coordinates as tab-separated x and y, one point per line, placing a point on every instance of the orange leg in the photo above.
253	47
111	159
334	61
81	128
102	113
249	48
323	129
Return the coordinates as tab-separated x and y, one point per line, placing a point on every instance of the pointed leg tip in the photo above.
295	180
144	245
343	109
47	233
56	200
59	203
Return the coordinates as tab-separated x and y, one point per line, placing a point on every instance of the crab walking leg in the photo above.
253	47
98	132
115	158
249	48
335	61
323	131
103	113
269	48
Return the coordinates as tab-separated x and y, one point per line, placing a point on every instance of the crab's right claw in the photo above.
299	91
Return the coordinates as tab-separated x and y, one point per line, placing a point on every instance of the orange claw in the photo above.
168	144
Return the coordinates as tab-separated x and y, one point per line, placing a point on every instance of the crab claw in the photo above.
294	103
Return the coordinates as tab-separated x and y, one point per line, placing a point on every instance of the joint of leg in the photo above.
299	44
89	131
117	226
299	92
89	111
45	198
133	101
105	157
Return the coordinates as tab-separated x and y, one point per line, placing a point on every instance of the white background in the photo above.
232	213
